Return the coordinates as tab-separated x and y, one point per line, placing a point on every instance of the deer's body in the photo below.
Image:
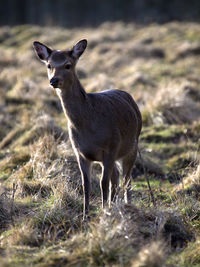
102	126
101	122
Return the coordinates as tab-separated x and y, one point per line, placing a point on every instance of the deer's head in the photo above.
60	64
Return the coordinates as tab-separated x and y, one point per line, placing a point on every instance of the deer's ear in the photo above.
42	51
79	48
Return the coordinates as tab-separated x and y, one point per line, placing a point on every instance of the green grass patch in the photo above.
162	133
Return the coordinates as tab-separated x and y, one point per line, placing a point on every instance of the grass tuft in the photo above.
151	255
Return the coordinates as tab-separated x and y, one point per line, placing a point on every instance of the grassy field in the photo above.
41	195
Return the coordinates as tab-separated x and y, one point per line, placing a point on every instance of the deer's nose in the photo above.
54	82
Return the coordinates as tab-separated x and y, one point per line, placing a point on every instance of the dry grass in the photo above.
172	105
152	255
190	182
40	217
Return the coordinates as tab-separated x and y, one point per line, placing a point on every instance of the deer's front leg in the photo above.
108	165
84	166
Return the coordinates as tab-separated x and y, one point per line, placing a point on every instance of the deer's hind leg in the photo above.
127	166
114	183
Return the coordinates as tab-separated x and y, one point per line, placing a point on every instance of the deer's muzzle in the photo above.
54	82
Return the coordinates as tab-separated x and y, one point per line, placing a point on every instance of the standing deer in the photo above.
103	127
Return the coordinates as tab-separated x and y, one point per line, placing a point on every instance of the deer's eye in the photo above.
68	66
49	66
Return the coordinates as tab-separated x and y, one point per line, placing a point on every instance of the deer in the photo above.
103	126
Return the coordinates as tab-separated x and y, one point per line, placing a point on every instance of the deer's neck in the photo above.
74	102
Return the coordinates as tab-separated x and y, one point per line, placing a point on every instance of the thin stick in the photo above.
147	179
12	201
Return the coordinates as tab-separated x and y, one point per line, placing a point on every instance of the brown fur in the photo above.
103	126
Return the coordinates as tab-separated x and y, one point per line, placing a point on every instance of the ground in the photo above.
41	195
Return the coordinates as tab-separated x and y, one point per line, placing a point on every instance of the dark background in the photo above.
69	13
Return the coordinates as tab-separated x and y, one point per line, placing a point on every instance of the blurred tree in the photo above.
90	12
